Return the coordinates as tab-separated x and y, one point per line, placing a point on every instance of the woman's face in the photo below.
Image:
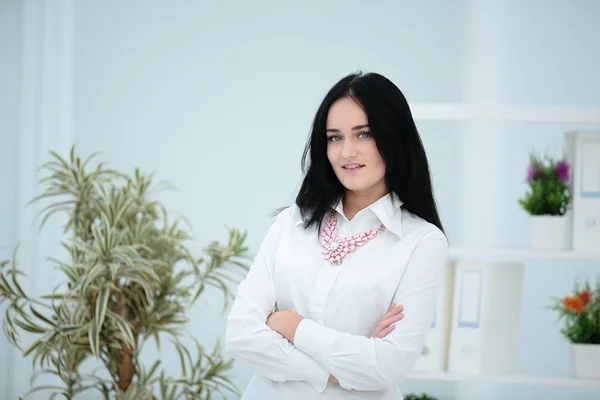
351	149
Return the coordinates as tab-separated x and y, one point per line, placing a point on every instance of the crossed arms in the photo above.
307	351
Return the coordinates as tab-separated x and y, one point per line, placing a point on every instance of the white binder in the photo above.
434	356
485	317
583	153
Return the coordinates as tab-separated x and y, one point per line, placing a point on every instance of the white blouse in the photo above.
341	306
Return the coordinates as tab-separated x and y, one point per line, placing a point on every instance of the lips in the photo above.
353	167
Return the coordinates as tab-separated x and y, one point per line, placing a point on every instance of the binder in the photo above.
583	154
485	317
434	356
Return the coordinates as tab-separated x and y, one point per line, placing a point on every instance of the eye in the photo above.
364	134
333	138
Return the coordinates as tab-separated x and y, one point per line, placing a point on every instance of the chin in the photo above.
355	186
361	185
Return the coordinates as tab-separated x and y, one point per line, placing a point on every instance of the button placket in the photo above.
327	276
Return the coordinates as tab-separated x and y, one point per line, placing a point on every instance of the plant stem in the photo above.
126	368
70	389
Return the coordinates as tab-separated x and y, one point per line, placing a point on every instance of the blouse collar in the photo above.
386	209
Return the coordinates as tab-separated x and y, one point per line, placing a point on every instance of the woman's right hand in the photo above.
386	324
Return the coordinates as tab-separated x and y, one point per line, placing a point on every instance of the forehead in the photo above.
346	113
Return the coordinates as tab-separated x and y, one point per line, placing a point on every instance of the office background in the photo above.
218	97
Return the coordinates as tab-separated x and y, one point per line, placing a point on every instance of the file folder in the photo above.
485	317
583	154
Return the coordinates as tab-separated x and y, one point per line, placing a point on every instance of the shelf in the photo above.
480	112
517	255
506	379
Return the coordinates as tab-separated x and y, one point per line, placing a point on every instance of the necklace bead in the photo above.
335	249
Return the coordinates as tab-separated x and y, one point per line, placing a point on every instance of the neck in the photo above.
353	202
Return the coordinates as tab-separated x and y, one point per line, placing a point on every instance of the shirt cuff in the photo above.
312	372
315	340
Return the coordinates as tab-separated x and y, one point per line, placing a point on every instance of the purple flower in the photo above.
562	171
531	173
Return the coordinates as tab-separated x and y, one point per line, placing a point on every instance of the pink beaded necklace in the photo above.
335	249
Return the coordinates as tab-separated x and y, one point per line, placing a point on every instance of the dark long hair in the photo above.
397	139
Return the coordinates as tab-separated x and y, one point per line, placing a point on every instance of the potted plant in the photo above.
547	200
422	396
129	277
580	313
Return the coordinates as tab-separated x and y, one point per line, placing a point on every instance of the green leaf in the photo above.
36	343
97	271
6	288
40	388
98	321
29	327
68	329
182	359
124	328
41	316
152	370
58	296
148	292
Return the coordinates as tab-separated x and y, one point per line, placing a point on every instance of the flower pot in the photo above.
586	360
549	232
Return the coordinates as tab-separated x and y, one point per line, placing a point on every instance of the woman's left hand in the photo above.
285	323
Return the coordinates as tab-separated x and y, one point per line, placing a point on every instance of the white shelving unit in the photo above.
515	259
512	258
547	381
519	255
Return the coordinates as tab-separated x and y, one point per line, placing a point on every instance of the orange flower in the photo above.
585	296
574	304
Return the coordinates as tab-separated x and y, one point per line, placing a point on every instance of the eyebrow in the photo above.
355	128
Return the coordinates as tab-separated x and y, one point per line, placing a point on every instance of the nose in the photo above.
349	149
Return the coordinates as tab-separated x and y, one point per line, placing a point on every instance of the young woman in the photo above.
318	315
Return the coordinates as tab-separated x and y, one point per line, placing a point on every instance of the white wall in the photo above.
9	94
35	95
219	101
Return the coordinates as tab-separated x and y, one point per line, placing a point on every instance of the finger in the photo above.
387	323
392	310
394	318
381	326
384	332
391	320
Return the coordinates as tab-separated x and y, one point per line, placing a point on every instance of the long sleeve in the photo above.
250	340
362	363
